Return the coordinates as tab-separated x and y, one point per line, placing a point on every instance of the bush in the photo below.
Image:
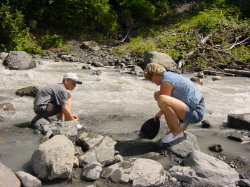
13	32
49	41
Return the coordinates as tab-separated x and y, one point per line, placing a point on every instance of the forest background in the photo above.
203	33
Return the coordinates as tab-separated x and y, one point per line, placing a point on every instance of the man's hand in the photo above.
75	117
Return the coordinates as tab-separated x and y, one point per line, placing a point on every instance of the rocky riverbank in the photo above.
70	154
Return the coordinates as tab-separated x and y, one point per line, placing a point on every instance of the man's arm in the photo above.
66	114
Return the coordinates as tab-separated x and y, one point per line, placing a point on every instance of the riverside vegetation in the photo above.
197	34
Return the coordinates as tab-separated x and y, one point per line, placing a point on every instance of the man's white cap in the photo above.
73	77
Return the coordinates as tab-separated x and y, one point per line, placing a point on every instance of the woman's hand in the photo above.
158	115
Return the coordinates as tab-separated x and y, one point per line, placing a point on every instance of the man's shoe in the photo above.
170	137
33	121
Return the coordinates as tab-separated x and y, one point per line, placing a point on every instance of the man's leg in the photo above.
173	110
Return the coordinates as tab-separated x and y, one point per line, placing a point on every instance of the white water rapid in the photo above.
126	98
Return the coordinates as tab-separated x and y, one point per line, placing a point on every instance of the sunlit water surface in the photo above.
119	103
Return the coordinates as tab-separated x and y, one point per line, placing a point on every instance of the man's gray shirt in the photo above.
54	93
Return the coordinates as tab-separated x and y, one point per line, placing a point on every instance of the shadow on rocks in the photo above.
133	147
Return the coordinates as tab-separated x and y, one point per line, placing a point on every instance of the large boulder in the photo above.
102	152
54	158
8	178
67	128
204	170
19	60
239	121
184	146
161	58
27	91
28	180
88	140
92	45
140	172
92	171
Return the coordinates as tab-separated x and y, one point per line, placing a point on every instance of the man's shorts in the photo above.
195	115
50	110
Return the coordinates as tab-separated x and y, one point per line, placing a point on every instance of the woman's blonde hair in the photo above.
153	68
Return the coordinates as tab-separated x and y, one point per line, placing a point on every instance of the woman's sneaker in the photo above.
170	137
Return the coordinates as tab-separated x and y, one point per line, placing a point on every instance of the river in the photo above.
119	103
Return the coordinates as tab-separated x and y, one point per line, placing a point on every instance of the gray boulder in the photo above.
204	170
27	91
140	172
184	146
28	180
92	45
19	60
102	152
67	128
8	178
88	140
92	171
3	55
239	121
161	58
54	158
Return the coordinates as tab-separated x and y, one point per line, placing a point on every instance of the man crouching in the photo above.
55	99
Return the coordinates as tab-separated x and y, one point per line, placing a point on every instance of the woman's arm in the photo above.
166	88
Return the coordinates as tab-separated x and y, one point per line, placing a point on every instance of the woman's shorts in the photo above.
195	115
50	110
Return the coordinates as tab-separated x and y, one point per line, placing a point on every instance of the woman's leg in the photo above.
173	110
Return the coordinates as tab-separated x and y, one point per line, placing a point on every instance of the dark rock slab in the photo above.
27	91
239	121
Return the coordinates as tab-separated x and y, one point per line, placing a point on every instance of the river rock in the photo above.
3	55
239	121
117	158
27	91
206	124
28	180
102	152
88	140
200	74
216	148
216	78
201	169
7	106
92	45
161	58
8	178
183	147
196	80
67	128
54	158
92	171
140	172
19	60
236	136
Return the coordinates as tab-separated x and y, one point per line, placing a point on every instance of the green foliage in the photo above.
225	26
14	35
242	53
53	40
142	11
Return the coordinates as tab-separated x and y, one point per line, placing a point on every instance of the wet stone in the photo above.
216	148
206	124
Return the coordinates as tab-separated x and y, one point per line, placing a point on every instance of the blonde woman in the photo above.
179	100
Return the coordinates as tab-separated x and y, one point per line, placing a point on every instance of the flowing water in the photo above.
118	103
